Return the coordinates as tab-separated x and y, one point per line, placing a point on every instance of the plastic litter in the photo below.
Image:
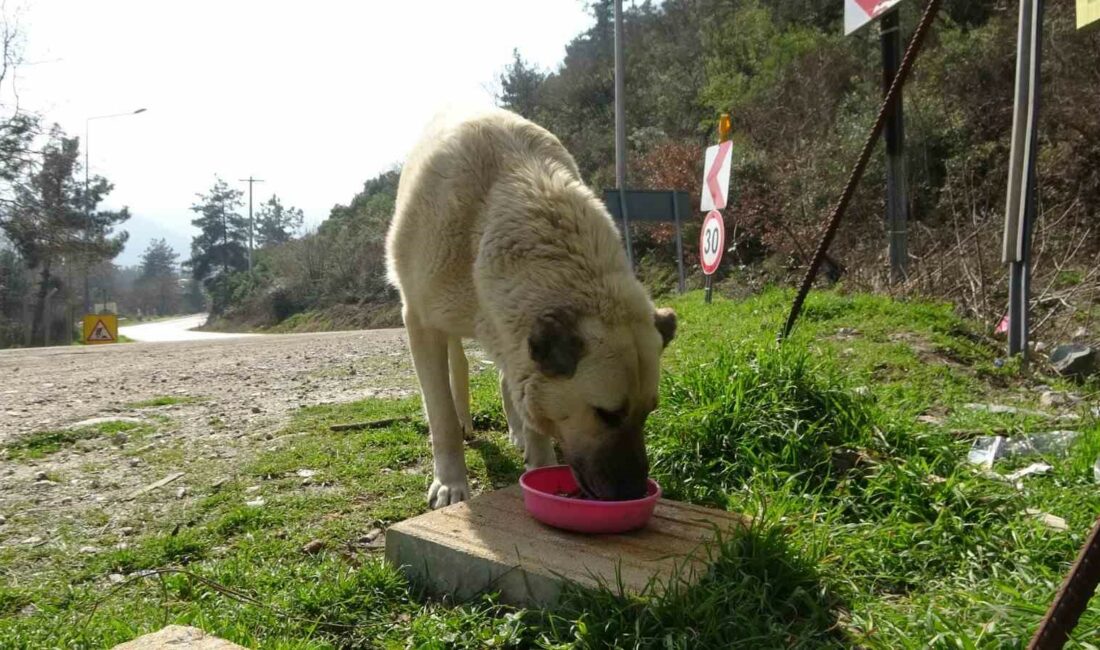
986	450
1034	468
1050	521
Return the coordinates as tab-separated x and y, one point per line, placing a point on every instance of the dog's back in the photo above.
496	238
441	206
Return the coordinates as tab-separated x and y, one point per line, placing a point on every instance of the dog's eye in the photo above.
611	418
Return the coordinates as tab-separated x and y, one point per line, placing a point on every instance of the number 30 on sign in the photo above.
712	241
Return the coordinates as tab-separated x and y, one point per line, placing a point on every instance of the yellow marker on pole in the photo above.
1087	11
724	125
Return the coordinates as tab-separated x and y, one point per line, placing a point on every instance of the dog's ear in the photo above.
555	345
665	320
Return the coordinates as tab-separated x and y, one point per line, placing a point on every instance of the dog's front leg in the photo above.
515	422
538	450
429	350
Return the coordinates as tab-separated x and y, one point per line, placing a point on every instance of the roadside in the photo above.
83	429
172	329
849	445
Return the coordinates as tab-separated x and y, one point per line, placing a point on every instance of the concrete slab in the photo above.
178	637
490	544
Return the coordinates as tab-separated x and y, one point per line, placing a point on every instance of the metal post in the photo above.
1020	208
682	284
87	219
620	129
710	288
250	182
47	317
897	183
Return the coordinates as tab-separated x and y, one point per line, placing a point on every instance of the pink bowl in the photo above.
542	490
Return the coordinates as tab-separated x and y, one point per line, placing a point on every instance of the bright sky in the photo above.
313	97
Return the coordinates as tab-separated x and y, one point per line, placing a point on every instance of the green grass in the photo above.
307	321
44	443
162	400
870	528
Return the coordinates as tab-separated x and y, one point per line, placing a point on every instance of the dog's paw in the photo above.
445	493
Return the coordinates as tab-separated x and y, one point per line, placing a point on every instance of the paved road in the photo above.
176	329
240	380
235	398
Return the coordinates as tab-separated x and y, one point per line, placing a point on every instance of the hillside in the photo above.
801	96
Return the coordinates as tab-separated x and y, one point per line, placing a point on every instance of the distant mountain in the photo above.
144	229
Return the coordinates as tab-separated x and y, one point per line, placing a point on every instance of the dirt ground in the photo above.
236	394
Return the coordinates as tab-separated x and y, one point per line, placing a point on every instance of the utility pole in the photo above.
620	129
250	182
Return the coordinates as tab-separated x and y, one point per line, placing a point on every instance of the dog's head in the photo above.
594	383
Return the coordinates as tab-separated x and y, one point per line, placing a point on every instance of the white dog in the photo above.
496	238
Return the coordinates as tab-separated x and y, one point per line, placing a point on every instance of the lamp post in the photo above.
87	201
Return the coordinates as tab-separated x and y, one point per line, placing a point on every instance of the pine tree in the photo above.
276	224
221	247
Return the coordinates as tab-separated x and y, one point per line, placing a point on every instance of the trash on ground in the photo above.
1051	521
1034	468
1002	408
988	449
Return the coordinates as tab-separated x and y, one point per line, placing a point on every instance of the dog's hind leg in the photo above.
429	351
460	385
515	422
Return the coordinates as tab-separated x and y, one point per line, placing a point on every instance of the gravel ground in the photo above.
238	392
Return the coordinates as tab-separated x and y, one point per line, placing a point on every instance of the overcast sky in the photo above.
313	97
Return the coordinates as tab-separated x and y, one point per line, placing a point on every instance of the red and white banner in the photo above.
858	13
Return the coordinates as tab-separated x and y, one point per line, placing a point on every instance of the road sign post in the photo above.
664	206
858	13
897	180
1020	203
681	284
717	165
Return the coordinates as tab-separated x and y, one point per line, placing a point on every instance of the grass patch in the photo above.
871	529
162	400
44	443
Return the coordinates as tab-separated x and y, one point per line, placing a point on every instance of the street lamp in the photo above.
87	201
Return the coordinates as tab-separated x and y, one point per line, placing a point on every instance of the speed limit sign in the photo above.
712	240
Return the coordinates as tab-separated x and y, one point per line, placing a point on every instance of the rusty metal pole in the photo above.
1072	598
915	43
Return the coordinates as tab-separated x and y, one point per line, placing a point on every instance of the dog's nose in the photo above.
625	491
623	470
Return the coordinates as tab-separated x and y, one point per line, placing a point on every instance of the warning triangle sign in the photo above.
100	332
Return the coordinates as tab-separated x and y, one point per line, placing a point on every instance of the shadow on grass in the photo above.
760	593
502	467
